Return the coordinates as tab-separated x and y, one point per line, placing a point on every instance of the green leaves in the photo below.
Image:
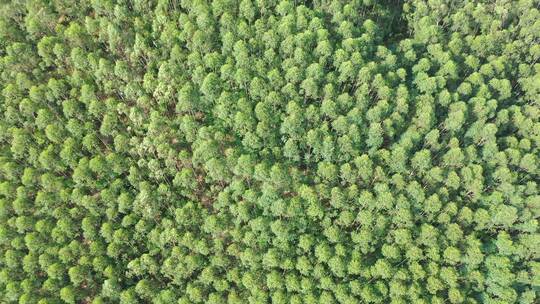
268	152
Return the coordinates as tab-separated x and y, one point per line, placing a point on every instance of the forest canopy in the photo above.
267	151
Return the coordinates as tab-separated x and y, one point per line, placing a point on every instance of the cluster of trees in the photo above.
267	151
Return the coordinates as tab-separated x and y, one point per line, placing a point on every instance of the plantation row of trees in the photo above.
264	151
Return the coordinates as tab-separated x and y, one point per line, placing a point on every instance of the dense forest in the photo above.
268	151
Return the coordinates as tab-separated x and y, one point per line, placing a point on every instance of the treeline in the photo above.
269	151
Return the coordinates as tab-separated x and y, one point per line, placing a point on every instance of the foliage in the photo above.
264	151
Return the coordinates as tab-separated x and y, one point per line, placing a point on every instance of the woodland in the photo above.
269	151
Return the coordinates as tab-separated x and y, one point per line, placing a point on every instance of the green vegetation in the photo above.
266	151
